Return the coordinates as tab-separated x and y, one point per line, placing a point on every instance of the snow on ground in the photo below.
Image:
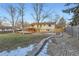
24	51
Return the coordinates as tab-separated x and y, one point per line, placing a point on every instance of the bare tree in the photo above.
55	18
1	21
11	10
19	24
21	10
39	13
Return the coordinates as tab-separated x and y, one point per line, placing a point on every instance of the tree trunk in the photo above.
22	25
13	27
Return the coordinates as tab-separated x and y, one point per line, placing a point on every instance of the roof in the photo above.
43	23
61	21
5	27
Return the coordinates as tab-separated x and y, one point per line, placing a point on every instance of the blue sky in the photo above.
57	9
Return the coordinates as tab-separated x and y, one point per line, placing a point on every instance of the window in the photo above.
49	25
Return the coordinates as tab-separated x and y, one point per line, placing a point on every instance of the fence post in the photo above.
72	31
78	33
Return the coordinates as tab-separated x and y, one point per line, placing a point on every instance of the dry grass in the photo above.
11	41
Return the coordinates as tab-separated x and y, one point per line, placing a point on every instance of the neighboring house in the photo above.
41	27
61	21
8	29
5	29
60	25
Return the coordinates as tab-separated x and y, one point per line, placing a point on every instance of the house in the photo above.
5	29
41	27
60	25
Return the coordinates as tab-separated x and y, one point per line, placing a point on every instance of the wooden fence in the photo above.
73	31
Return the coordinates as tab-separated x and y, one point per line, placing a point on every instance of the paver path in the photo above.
64	47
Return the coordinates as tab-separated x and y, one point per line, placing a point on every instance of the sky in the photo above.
56	7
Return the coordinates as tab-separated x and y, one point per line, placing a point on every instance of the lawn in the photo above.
12	41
